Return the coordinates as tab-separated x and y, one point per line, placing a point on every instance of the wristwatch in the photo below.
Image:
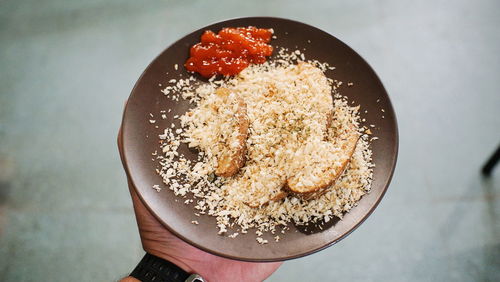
155	269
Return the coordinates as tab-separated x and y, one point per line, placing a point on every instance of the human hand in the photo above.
158	241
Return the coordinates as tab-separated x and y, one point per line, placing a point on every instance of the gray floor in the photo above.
66	68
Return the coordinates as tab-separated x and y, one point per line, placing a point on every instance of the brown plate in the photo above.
140	139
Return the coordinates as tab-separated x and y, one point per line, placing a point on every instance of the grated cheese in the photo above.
287	104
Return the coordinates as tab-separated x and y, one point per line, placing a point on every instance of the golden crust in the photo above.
229	164
332	172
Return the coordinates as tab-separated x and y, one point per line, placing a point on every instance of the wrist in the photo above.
175	260
154	268
129	279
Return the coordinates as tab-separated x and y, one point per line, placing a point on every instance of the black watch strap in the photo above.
154	269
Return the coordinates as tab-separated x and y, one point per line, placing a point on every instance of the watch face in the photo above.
195	278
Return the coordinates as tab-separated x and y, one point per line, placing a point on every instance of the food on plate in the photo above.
277	143
232	157
322	165
229	51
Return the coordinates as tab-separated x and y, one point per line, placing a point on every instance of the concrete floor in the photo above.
66	68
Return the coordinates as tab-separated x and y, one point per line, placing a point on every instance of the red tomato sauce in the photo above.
229	51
